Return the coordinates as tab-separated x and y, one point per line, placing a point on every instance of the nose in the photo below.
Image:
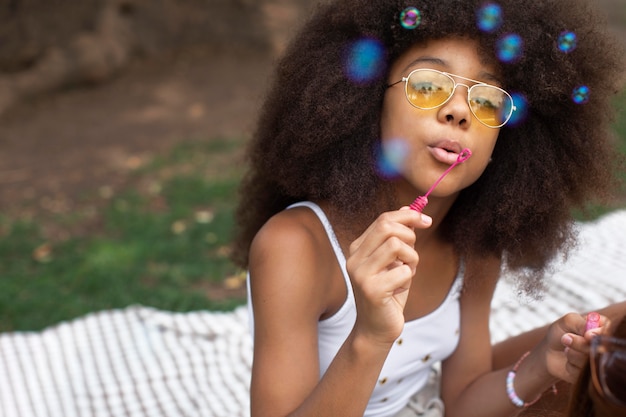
456	110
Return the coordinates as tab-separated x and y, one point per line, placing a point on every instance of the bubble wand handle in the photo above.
593	321
420	202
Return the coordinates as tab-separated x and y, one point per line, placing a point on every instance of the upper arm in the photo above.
472	358
287	289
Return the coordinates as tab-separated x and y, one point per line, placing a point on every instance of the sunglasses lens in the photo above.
428	89
609	369
613	375
490	105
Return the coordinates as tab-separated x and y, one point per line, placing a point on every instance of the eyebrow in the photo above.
438	61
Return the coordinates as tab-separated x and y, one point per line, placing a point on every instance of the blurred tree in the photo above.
50	44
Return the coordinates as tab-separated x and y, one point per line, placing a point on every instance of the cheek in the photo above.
485	143
398	118
481	154
389	118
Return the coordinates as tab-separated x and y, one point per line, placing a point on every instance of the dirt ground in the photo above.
54	150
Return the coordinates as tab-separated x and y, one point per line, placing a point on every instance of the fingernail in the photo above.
426	219
567	340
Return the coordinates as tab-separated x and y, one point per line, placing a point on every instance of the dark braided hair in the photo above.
318	130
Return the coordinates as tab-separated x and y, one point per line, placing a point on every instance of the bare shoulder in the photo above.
297	226
291	260
291	283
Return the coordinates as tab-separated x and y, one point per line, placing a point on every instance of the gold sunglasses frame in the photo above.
601	345
456	84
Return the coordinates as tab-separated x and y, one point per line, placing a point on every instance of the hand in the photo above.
569	345
381	265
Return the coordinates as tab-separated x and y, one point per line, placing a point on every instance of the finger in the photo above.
571	373
386	284
399	253
407	217
576	358
583	324
387	225
603	327
398	279
576	348
389	254
425	219
573	323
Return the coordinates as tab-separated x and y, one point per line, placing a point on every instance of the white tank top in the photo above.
423	342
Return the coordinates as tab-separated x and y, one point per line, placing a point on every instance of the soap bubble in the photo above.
390	157
510	48
365	60
410	18
567	41
580	95
521	109
489	17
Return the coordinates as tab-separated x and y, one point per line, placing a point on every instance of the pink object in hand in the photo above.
593	321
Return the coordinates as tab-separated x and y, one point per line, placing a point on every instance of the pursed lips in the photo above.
446	151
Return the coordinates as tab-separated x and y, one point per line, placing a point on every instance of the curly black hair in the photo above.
318	129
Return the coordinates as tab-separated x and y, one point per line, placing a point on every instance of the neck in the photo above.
437	208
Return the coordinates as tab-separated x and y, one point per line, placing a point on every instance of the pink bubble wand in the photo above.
593	321
420	202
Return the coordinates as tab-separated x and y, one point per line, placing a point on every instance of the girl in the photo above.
355	297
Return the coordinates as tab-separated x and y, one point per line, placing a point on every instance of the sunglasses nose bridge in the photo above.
454	90
455	84
464	85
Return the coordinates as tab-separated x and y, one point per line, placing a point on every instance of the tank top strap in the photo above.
341	259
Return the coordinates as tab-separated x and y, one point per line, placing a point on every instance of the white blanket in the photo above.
140	361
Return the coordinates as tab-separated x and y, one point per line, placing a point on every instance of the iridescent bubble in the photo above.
567	41
410	18
510	48
581	94
489	17
365	60
521	109
390	158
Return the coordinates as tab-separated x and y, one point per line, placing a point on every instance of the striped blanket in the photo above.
140	361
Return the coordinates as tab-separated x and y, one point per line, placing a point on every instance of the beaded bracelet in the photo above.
510	389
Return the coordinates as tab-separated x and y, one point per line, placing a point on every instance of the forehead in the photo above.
464	56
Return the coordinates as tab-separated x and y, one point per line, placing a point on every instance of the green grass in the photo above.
163	242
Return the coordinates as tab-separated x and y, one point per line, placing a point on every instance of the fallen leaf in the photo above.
43	253
178	227
204	216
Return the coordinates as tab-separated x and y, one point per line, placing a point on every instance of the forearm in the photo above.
347	385
510	350
487	396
